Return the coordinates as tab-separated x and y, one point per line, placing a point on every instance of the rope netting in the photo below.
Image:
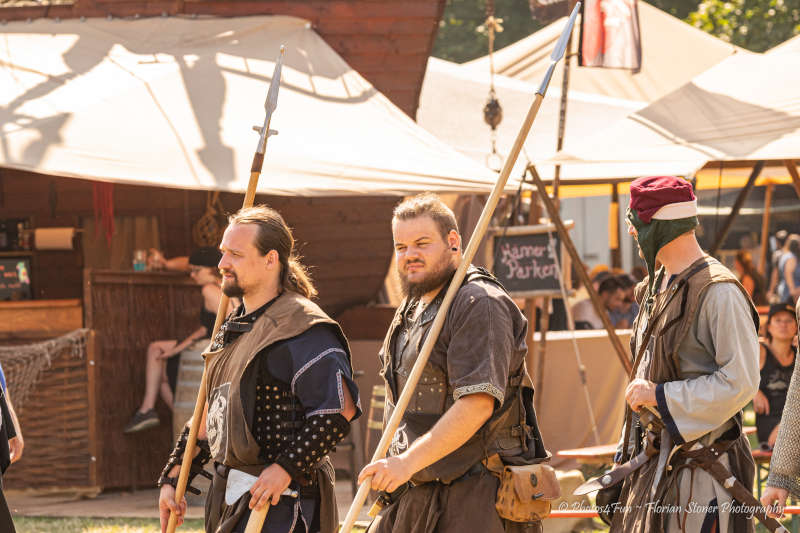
23	364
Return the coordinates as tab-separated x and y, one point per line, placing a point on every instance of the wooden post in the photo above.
562	110
541	350
762	260
737	205
613	228
791	166
555	218
91	387
534	214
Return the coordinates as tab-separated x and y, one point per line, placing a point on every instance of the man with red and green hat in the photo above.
695	349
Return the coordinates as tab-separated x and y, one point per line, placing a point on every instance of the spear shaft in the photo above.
458	277
255	171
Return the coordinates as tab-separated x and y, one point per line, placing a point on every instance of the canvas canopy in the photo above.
672	53
747	108
451	108
171	102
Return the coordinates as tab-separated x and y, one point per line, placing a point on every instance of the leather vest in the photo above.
230	438
676	313
512	431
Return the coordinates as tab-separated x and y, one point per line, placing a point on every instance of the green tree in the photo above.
461	36
756	25
676	8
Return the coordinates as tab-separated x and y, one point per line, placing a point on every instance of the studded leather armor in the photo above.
285	435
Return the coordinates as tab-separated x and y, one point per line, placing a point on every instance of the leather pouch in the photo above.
526	491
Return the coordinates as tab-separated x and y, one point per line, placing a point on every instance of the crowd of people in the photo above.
615	289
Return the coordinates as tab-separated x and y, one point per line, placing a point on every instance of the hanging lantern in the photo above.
493	111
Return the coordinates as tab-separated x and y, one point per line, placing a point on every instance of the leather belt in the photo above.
613	477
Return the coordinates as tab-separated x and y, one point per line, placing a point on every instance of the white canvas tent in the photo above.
170	102
451	108
747	108
672	53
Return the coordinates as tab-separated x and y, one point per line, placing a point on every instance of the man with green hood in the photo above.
695	350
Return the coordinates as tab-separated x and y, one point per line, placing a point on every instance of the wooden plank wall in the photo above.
346	241
128	311
387	41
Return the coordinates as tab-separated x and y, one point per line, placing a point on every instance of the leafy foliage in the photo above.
756	25
462	36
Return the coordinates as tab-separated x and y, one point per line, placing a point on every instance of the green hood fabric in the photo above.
652	237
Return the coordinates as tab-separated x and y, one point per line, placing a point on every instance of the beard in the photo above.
440	273
231	288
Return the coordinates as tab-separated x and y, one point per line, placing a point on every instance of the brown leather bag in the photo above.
526	491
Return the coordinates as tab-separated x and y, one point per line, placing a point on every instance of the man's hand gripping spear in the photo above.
458	277
257	516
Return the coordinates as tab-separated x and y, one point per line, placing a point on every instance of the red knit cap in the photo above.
663	198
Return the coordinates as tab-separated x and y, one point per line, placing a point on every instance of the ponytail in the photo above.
296	278
274	234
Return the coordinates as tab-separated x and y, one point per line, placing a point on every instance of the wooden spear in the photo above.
458	277
255	171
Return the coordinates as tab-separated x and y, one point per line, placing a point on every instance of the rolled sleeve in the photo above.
481	344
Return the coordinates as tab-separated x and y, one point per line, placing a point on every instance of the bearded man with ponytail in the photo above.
280	389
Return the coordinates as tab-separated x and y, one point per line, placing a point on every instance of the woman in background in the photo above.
751	280
789	271
162	354
777	362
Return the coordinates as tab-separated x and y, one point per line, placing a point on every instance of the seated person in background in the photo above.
161	360
777	364
751	280
15	444
7	436
624	316
611	295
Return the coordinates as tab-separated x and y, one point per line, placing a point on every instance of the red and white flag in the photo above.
610	35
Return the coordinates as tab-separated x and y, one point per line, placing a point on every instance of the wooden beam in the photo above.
583	274
791	166
762	260
614	235
737	205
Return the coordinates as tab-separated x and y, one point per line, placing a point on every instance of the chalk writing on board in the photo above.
526	262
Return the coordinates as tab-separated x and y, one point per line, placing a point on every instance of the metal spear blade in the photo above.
272	96
561	47
270	104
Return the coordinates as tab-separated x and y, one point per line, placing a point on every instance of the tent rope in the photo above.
492	111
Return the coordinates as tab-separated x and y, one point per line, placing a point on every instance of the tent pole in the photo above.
541	350
613	228
791	166
569	246
562	110
762	260
737	205
542	324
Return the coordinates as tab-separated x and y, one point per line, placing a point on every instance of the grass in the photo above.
98	525
25	524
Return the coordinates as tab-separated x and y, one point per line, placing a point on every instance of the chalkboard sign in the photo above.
15	278
525	260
